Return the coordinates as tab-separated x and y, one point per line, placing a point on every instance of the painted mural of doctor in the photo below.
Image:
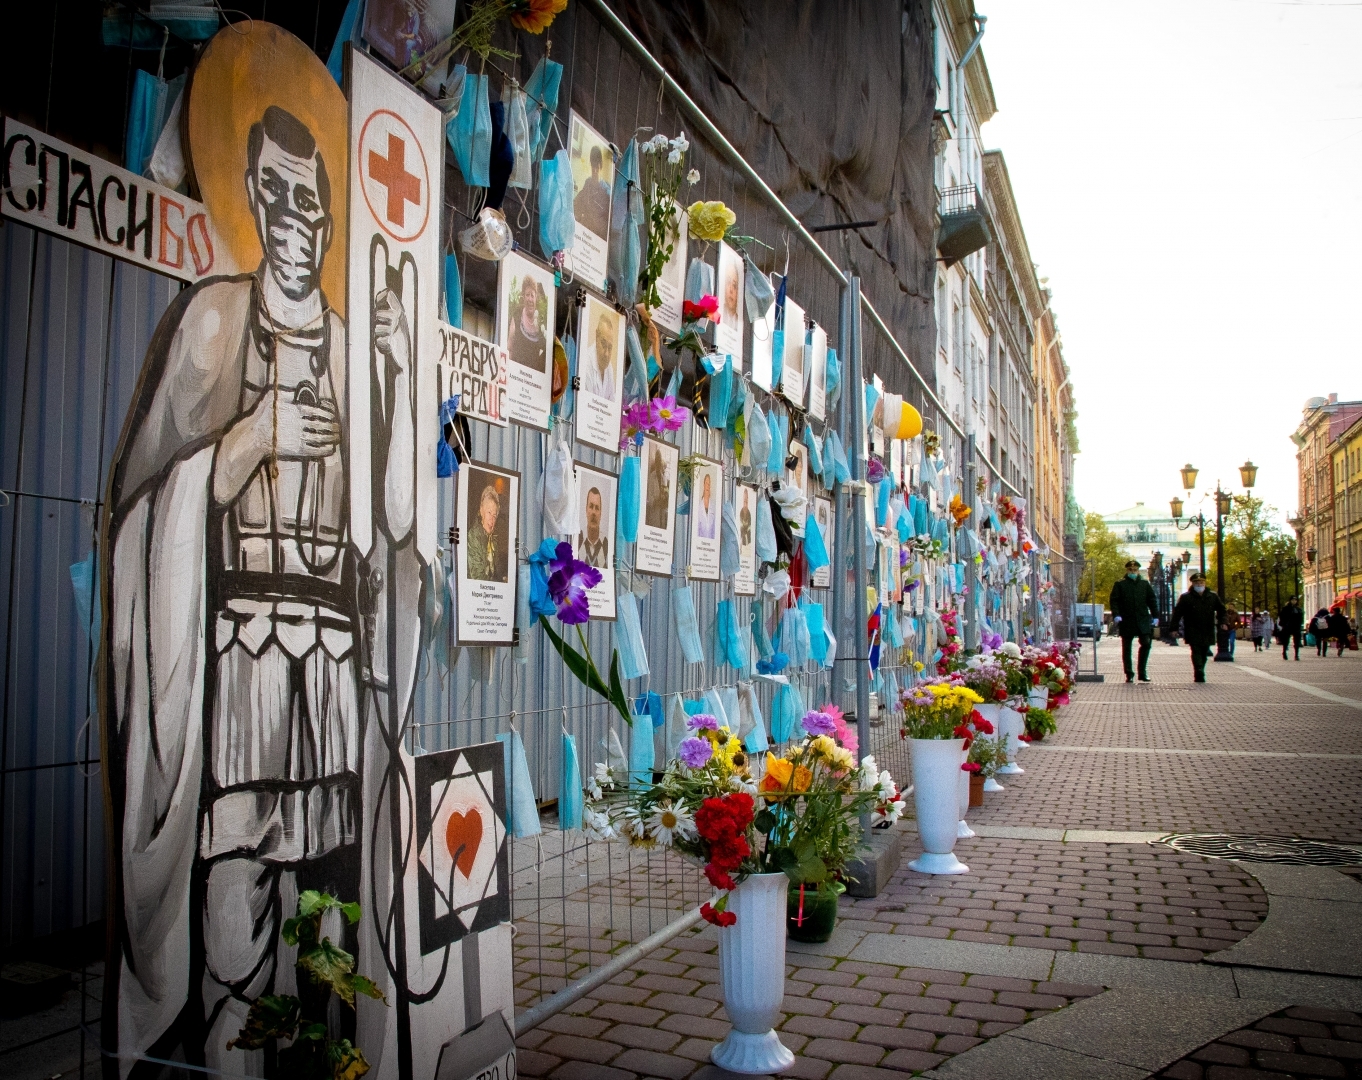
242	624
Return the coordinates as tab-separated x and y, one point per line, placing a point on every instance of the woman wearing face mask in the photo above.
1201	613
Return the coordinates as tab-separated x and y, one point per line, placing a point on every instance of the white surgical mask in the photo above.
1199	588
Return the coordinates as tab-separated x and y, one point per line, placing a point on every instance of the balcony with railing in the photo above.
964	229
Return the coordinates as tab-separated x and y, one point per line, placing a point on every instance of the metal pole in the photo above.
1222	650
856	528
845	646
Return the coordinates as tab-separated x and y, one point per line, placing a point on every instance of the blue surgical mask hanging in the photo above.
833	379
818	638
629	636
636	370
570	787
555	204
518	131
775	462
521	811
453	291
758	438
641	751
687	627
630	473
699	280
626	219
815	451
758	293
470	132
766	532
541	94
815	545
755	738
729	555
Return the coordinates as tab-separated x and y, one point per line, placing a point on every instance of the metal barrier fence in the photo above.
75	326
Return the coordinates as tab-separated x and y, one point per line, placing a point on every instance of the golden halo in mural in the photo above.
244	70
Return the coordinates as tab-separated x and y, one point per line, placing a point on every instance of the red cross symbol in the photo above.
391	172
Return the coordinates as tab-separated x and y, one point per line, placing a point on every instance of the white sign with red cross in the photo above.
396	161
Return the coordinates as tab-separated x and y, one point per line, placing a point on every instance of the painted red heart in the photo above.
463	834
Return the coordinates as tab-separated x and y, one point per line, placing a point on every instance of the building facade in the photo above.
999	365
1323	421
1347	518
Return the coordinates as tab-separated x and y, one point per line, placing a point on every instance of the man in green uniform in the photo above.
1201	613
1134	613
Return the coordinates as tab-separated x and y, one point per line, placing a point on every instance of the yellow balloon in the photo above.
910	423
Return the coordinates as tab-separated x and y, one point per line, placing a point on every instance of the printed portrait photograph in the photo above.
661	479
792	371
402	30
525	312
593	174
601	350
595	541
705	502
671	283
488	536
728	332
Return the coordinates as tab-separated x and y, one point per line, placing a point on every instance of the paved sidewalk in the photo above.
931	972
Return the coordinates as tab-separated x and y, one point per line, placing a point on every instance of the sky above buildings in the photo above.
1189	175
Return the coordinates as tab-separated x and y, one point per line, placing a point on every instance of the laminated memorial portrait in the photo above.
792	373
594	542
600	375
706	500
671	283
525	321
818	372
593	175
728	331
270	512
745	580
656	535
763	340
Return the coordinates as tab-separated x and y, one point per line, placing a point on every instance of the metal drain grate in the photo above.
1278	849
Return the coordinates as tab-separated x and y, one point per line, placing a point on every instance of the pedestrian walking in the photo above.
1290	621
1135	613
1319	627
1231	621
1339	629
1201	612
1260	626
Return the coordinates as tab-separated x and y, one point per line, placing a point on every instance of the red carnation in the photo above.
718	918
1001	695
718	878
984	727
972	767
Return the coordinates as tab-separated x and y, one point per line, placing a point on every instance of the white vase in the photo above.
936	798
1038	697
752	973
992	785
963	831
1011	724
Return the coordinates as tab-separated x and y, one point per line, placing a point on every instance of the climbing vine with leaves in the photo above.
312	1054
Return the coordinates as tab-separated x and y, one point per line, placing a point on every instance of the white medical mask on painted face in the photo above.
1198	588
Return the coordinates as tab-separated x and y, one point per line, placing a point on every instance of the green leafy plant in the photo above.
1040	723
989	753
312	1054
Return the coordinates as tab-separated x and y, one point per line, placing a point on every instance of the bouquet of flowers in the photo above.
939	708
986	677
799	816
664	170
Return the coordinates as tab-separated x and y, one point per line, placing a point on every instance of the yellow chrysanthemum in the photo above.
710	220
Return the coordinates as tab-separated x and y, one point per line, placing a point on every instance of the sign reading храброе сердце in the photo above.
61	189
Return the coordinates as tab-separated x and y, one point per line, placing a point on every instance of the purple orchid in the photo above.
874	470
904	558
703	720
569	580
818	723
695	753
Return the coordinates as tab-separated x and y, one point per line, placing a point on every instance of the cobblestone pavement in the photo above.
1294	1042
1166	756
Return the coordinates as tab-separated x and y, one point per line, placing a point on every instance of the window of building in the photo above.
957	336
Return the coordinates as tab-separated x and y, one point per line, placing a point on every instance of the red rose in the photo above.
718	918
718	878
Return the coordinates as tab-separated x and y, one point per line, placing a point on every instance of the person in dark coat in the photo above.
1201	613
1339	629
1290	623
1319	626
1134	613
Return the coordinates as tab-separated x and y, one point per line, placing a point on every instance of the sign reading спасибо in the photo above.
61	189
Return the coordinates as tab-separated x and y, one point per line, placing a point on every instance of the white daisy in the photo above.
597	825
693	177
671	822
